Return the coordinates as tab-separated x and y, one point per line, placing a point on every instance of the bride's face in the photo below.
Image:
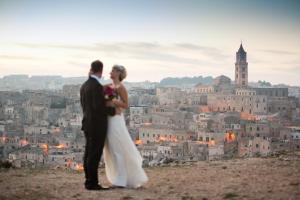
114	74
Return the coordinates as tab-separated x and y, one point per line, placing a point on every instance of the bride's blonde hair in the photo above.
122	70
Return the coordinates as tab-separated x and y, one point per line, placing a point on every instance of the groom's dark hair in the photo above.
96	66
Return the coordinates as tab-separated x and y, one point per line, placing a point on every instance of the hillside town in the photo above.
202	122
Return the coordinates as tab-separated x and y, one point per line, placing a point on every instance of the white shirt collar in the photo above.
96	77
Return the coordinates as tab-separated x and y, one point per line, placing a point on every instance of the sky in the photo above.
153	39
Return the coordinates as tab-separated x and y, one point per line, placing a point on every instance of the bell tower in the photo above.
241	68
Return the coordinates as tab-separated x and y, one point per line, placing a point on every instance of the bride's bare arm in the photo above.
123	103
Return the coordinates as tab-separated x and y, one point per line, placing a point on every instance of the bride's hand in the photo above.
115	101
118	111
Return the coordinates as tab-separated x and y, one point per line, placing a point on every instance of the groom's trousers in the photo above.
92	155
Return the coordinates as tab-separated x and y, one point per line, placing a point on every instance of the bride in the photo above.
123	162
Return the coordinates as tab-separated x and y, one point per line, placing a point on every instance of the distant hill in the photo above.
186	81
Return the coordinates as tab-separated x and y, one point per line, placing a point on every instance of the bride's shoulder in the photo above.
121	87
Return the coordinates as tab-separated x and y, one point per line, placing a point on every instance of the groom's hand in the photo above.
109	104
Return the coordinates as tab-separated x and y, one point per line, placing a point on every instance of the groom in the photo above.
94	124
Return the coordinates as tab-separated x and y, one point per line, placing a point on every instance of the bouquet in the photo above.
109	93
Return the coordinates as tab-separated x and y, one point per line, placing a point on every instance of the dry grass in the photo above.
255	178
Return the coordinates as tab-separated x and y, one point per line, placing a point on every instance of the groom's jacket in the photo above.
95	112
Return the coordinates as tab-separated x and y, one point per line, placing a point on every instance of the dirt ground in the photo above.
252	178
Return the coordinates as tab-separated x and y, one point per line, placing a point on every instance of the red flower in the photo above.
109	93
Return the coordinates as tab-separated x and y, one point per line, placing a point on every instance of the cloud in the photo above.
209	51
292	62
280	52
153	52
295	69
77	64
17	57
57	46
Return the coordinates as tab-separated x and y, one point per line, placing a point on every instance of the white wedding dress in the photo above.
123	162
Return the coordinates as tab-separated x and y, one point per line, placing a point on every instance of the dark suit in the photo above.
94	125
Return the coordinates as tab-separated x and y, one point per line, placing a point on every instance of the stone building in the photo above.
215	152
187	150
241	68
204	89
169	95
237	103
40	130
254	146
150	134
221	80
272	91
148	152
245	91
71	91
27	156
195	99
256	129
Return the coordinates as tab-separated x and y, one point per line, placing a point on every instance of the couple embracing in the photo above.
106	132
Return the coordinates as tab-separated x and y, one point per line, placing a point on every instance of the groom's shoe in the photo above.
95	187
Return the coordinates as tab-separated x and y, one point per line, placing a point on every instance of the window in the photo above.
243	75
257	145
